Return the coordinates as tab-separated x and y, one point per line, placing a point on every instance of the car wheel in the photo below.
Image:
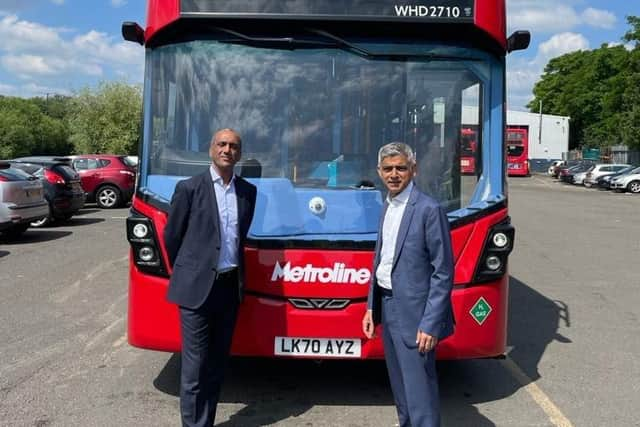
44	221
108	197
634	187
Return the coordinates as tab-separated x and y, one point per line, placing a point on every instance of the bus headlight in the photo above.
146	253
140	230
493	263
500	240
145	249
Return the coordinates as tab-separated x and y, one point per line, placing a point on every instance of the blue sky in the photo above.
61	46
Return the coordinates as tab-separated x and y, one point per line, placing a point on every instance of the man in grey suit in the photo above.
204	237
410	290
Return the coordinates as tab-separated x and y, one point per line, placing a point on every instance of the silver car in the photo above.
21	200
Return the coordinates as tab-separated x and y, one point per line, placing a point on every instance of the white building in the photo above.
546	142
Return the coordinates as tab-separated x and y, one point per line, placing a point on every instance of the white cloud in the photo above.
118	3
21	36
34	89
548	16
7	89
559	44
599	18
35	51
537	17
25	65
99	45
30	90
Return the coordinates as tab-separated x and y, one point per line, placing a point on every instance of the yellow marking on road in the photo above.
556	416
120	341
103	333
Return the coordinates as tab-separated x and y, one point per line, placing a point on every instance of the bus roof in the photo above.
487	15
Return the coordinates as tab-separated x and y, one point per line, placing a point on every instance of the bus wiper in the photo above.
244	38
367	53
342	42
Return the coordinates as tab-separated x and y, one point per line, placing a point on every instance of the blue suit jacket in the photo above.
422	271
192	237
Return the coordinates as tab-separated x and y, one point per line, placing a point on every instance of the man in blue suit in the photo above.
410	290
207	226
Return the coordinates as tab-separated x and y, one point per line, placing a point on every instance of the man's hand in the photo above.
367	324
425	342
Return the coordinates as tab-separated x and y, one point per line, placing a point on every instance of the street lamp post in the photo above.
540	124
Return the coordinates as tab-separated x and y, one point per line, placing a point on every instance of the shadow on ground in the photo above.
36	235
277	389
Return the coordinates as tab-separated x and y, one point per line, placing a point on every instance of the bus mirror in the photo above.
519	40
132	32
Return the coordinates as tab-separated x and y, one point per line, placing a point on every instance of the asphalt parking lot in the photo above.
573	334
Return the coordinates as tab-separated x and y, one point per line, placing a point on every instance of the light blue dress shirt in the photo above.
390	228
228	216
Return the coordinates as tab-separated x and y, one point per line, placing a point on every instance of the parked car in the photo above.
21	200
557	171
604	181
62	188
578	177
566	175
602	169
552	168
628	182
575	166
107	179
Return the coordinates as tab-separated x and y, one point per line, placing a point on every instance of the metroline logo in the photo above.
309	274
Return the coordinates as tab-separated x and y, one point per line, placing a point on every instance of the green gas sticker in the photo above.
480	310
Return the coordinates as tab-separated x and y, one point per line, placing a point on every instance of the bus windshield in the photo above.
515	150
312	121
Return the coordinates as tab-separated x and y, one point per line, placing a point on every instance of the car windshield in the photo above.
633	171
312	122
14	174
130	161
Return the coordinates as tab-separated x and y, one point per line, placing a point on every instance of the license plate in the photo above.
34	192
324	347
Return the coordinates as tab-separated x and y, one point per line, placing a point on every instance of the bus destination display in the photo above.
438	10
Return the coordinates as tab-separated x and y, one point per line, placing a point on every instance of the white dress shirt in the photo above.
390	228
228	216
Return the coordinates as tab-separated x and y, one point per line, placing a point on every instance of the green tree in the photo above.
633	35
106	119
26	130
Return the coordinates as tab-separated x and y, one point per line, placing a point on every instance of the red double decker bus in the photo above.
517	141
468	151
315	88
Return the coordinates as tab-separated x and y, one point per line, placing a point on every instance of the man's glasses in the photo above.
399	168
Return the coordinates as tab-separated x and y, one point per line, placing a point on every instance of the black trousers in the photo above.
206	340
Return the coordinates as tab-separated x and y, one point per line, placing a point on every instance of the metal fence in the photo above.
622	154
613	154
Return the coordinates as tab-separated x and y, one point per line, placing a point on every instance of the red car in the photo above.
107	179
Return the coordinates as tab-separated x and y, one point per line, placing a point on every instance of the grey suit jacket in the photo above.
192	237
422	271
